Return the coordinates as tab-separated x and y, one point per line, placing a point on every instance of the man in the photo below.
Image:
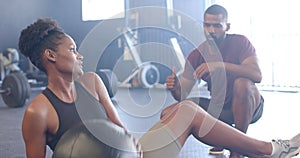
233	54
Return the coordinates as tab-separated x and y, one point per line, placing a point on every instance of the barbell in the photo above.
15	89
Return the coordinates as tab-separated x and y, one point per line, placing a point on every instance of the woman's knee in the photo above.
185	104
188	105
167	110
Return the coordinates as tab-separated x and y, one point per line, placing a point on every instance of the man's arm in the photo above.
249	68
180	88
186	86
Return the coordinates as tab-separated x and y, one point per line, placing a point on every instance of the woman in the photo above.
53	111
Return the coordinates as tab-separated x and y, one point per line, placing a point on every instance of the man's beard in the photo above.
216	39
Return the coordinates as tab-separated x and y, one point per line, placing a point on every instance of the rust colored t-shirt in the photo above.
234	49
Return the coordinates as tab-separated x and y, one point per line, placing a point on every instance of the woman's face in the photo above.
68	60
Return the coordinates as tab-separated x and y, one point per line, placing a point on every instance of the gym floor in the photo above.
279	120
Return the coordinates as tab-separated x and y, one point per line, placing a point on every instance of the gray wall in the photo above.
17	14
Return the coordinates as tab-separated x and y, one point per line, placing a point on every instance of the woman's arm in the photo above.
34	129
98	89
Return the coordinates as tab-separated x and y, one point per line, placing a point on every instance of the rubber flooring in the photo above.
139	109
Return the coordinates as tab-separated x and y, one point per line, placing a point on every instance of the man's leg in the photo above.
246	99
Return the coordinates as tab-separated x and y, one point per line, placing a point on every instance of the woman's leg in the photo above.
186	118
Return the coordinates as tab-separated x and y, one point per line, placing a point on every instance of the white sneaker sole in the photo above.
292	154
217	152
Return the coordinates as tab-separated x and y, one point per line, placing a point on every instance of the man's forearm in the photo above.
176	93
179	94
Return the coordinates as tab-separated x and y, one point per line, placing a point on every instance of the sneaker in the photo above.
286	148
216	151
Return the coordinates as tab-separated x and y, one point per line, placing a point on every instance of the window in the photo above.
273	28
102	9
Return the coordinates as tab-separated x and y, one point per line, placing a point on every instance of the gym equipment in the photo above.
15	89
110	81
144	74
148	74
2	71
36	77
10	60
97	138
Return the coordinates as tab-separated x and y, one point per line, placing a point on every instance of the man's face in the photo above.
215	25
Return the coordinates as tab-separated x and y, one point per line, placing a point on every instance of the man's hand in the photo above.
206	68
171	82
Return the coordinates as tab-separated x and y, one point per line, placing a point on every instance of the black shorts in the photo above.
226	114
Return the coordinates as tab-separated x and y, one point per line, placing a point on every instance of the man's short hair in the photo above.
216	10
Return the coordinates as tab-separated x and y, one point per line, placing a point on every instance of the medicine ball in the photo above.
96	139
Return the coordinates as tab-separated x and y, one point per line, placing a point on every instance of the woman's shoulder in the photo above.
38	104
87	76
90	81
38	109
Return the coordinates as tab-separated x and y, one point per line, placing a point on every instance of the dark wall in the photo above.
17	14
192	8
68	13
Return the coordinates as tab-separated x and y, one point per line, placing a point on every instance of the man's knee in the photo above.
242	87
246	98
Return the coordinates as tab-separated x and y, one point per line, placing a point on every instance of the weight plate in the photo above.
24	83
2	71
14	95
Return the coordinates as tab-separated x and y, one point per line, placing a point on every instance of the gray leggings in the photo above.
160	142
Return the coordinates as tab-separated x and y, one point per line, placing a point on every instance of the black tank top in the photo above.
85	107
